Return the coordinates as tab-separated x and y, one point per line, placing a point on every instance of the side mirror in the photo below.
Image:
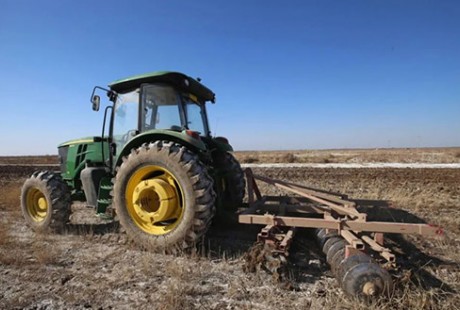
96	101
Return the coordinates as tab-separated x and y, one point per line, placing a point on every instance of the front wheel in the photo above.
164	196
45	202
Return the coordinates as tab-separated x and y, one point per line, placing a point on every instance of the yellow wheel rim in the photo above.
154	200
37	205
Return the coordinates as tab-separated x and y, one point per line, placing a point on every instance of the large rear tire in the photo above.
231	181
164	197
45	202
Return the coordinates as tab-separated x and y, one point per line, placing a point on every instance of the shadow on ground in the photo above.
93	229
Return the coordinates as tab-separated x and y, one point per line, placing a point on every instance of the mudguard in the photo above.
193	144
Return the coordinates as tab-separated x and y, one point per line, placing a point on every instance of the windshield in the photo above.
194	114
165	108
126	118
161	108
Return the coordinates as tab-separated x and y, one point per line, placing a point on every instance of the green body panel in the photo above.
80	152
180	81
161	134
77	141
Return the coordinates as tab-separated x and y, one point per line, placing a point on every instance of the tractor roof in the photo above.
179	80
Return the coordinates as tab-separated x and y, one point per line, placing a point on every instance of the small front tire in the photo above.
45	202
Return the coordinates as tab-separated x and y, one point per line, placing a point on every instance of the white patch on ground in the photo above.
355	165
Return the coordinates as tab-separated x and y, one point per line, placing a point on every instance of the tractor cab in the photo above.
159	104
154	107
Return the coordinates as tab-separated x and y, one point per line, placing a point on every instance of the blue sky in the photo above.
288	75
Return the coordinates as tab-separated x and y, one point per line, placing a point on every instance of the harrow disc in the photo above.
350	262
366	279
337	259
320	232
330	242
323	236
334	249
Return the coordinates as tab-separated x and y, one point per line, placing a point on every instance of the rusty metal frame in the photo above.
279	240
321	209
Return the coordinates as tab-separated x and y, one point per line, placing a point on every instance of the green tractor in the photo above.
155	167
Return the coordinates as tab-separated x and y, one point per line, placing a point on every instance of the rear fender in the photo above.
193	144
221	144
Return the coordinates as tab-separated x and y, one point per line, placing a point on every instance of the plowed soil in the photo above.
94	266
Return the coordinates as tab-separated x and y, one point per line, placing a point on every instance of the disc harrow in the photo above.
354	247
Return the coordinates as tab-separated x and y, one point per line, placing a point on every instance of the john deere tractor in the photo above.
156	165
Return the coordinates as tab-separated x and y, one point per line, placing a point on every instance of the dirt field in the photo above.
94	266
407	155
394	155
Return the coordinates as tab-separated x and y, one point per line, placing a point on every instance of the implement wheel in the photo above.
164	197
231	180
45	202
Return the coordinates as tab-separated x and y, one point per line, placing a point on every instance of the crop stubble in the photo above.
91	268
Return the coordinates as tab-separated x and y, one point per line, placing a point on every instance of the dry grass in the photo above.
81	270
9	208
407	155
8	246
44	251
5	238
40	249
403	155
11	190
409	297
178	286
